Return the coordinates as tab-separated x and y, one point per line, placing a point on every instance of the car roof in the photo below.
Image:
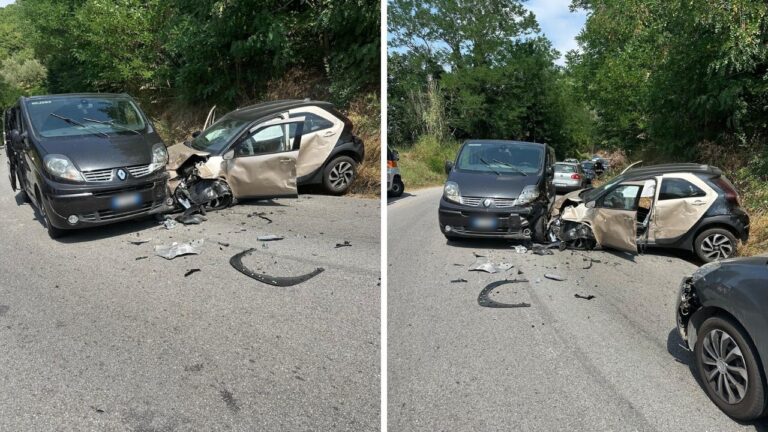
566	163
497	141
654	170
69	95
264	109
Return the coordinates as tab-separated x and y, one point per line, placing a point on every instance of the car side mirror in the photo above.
448	167
550	171
229	155
590	204
196	134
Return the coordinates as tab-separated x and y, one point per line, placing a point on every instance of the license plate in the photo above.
483	223
560	184
126	200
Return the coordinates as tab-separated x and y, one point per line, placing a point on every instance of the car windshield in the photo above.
215	138
588	165
501	158
563	168
592	194
72	116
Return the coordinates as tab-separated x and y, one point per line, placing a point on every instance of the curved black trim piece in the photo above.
237	262
485	300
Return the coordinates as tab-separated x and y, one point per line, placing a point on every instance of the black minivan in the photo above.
498	189
85	159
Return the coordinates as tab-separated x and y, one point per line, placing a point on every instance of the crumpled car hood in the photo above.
179	153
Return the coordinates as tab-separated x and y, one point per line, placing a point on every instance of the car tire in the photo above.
53	232
397	189
715	244
339	174
539	230
748	404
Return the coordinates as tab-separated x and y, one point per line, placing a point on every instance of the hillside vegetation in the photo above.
667	81
180	57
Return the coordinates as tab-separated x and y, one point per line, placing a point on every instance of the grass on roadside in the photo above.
423	164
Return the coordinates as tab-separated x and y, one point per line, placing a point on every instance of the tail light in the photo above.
731	195
391	164
576	176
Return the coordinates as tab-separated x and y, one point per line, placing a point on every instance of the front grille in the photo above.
471	201
497	202
138	170
102	175
105	175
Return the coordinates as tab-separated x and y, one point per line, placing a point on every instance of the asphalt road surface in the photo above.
95	340
613	363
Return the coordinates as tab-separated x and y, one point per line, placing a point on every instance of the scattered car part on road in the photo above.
190	219
260	215
498	189
191	271
237	262
538	249
177	249
520	249
168	223
141	258
138	241
721	316
345	244
459	280
484	299
585	297
554	277
269	237
482	264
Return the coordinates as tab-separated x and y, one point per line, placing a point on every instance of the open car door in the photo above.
614	221
682	201
262	164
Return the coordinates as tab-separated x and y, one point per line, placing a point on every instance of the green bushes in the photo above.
423	164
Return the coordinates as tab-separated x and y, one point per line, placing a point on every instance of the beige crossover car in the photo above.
684	206
265	151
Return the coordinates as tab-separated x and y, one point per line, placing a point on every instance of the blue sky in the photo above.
6	2
558	23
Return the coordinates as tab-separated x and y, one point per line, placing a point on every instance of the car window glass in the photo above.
565	168
501	158
271	139
673	188
313	122
622	197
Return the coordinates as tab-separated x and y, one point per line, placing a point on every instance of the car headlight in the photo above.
159	157
704	270
529	193
60	166
451	192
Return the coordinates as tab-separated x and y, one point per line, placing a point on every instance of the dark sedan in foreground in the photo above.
721	314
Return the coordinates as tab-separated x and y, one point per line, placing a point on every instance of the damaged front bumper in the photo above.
686	305
95	205
514	223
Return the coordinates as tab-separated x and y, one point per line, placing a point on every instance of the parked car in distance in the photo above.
721	316
589	170
267	150
86	159
569	176
571	160
498	189
601	165
395	185
684	206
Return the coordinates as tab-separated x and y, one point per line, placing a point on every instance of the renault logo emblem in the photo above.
487	202
121	174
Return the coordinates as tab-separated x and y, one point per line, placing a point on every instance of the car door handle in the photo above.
285	161
329	133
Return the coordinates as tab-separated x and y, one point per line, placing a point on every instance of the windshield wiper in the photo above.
510	166
489	166
76	123
112	123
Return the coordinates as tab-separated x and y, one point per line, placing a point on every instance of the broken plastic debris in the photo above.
345	244
482	264
237	262
554	277
260	215
191	271
485	300
138	241
459	280
587	297
190	219
141	258
169	224
178	249
539	249
269	237
520	249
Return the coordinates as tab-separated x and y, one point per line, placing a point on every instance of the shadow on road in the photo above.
105	231
487	243
677	349
401	197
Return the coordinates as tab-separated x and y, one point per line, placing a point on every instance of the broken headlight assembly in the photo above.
528	195
451	192
159	157
61	167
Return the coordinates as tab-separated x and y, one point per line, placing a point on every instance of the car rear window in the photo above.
565	168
